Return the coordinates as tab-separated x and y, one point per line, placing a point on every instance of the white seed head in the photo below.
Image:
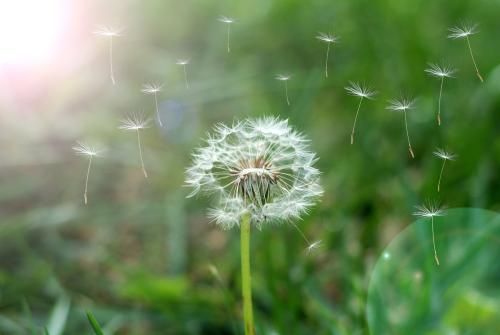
283	77
445	155
360	90
428	210
440	71
182	62
260	167
400	105
85	149
134	121
151	88
327	38
464	30
313	246
225	19
108	31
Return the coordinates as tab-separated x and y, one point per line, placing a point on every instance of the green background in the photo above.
140	255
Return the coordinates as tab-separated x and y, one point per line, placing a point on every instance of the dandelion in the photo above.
464	31
328	39
440	72
403	105
260	171
109	32
430	211
153	89
84	149
362	92
227	21
135	122
445	156
285	78
183	63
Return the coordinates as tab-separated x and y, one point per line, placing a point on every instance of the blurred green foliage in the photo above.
143	258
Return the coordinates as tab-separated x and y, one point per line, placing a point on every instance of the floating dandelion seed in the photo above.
362	92
183	63
440	72
153	89
430	211
403	105
285	78
135	122
259	171
445	156
311	246
84	149
227	21
109	32
464	31
328	39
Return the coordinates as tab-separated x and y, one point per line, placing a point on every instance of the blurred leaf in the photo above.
59	316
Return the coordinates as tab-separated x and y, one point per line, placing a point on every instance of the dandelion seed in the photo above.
440	72
183	63
153	89
84	149
109	32
403	105
464	31
445	156
135	122
259	171
328	39
362	92
311	246
285	78
430	211
227	21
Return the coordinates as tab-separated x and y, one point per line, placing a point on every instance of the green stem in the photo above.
246	284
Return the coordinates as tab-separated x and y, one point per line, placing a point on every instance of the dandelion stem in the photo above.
157	111
245	275
228	32
185	76
473	60
408	137
439	102
111	72
87	180
140	154
326	60
355	119
441	174
434	241
286	93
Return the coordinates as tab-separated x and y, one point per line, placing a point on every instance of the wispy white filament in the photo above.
440	72
135	122
285	78
84	149
444	156
464	31
328	39
227	21
184	63
362	92
430	211
403	105
153	89
109	32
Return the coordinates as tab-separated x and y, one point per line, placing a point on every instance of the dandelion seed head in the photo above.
313	246
151	88
260	167
108	31
428	210
445	155
134	121
85	149
225	19
464	30
182	61
401	105
442	71
327	38
283	77
360	90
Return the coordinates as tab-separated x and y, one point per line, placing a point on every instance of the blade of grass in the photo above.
95	325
